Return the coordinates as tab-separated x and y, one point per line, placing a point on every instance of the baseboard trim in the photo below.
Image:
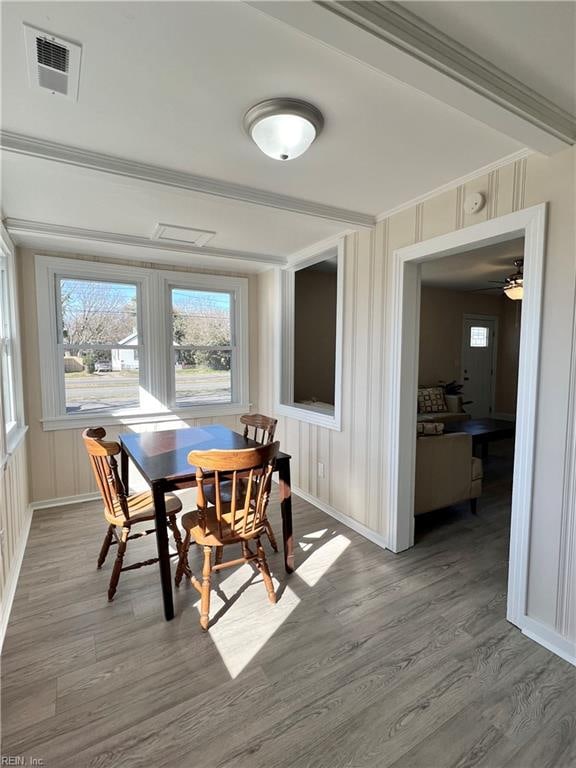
356	526
549	638
12	580
64	501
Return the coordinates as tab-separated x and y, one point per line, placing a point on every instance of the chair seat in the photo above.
192	522
141	508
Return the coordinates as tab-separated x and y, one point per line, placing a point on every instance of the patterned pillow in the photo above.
431	400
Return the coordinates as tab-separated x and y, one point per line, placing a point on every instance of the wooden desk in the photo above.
162	459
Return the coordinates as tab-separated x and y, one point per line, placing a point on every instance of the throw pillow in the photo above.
431	400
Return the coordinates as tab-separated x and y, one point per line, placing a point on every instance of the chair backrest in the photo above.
102	455
263	427
249	473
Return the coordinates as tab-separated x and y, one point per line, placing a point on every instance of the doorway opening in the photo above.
468	360
407	266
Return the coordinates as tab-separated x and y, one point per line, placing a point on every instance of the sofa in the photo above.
435	405
446	472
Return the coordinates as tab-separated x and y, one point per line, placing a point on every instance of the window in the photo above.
100	344
119	343
479	336
6	352
11	409
202	334
311	340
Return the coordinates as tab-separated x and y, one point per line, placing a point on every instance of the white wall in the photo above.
354	459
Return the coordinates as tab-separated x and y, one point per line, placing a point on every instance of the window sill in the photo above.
82	421
306	413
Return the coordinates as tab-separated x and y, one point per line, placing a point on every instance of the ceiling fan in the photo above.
512	285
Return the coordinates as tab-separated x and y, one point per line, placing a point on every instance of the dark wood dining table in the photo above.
162	460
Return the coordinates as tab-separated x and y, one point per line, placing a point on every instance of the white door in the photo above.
478	358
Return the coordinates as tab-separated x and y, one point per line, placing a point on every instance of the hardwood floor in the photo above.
369	659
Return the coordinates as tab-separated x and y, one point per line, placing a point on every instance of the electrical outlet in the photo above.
320	469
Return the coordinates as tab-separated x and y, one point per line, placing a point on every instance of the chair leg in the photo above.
105	546
262	562
218	556
474	506
118	563
272	538
205	594
172	522
182	566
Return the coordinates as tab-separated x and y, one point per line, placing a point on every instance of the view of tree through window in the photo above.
99	336
202	338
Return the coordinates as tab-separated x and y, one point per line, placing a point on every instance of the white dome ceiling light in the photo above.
283	128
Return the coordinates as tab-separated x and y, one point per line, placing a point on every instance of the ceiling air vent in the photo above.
53	63
174	233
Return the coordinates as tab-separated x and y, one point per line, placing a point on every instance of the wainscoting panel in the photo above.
15	516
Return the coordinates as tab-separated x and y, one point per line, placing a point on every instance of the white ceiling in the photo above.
168	83
473	270
535	42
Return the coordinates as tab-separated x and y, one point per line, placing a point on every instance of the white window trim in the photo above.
154	328
238	288
10	441
284	384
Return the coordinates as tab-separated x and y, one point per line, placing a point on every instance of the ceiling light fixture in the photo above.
514	284
283	128
515	289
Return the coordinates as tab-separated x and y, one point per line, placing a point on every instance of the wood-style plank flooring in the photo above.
369	659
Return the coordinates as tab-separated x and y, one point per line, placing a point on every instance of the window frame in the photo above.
237	287
11	437
284	394
154	343
143	370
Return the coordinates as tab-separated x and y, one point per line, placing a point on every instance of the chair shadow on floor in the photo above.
306	549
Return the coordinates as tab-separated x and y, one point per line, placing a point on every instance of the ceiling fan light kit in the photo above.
514	287
283	128
515	290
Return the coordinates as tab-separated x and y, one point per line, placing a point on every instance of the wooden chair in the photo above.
122	511
266	425
261	429
241	519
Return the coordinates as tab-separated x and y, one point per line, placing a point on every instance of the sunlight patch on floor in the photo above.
321	559
316	534
248	620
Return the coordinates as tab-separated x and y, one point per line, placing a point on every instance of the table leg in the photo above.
124	470
286	510
163	551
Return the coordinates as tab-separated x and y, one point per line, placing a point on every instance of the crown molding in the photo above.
156	174
403	29
396	43
5	240
42	229
454	183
